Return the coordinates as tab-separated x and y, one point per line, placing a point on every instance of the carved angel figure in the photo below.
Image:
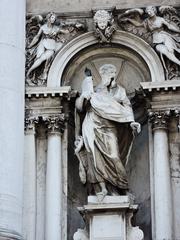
47	41
104	27
165	42
104	136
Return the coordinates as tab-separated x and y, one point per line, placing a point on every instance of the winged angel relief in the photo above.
44	40
162	32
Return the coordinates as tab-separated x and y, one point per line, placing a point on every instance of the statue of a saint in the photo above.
105	129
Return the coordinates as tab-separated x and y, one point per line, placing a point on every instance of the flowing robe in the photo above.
107	137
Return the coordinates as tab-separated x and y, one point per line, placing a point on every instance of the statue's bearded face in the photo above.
107	72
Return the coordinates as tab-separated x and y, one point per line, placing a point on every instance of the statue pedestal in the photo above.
111	218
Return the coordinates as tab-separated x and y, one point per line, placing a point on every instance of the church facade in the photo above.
90	120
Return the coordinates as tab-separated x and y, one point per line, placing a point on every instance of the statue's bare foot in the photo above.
101	195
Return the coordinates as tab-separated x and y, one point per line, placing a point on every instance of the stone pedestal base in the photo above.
110	219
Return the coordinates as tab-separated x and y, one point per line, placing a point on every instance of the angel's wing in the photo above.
170	14
136	15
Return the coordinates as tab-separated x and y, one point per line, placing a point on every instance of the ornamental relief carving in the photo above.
46	35
160	27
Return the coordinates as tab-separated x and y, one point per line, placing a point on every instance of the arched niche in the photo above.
120	39
136	62
131	69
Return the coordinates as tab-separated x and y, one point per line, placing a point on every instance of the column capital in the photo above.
55	123
30	124
159	119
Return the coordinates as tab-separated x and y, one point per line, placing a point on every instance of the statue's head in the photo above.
151	11
102	19
108	73
51	17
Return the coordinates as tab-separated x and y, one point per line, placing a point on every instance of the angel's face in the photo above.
151	11
102	24
52	18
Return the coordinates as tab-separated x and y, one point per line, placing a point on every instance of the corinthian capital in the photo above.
30	124
159	119
55	123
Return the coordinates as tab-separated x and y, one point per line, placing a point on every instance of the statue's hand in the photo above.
86	95
78	144
136	127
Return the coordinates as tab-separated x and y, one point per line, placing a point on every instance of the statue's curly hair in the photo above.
102	15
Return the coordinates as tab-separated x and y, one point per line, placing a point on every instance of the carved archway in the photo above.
122	38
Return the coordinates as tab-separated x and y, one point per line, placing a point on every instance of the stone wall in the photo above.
61	6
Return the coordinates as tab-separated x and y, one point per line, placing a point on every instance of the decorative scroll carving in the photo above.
45	37
160	29
133	232
104	26
159	119
81	234
30	124
55	123
177	115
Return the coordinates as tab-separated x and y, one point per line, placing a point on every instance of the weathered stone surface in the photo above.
39	6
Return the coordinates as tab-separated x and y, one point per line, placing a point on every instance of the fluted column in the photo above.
12	71
29	210
54	179
162	181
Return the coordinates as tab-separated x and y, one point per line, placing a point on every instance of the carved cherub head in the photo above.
102	19
51	17
151	11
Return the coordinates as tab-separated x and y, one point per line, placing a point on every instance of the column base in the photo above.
6	234
109	219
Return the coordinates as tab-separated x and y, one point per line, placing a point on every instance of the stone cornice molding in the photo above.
45	92
55	124
159	119
168	85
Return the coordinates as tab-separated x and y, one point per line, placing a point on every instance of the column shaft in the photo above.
29	212
12	68
53	187
162	181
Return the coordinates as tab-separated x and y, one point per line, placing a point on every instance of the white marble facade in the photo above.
41	196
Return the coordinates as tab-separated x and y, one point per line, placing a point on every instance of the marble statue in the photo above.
47	42
161	30
105	128
104	26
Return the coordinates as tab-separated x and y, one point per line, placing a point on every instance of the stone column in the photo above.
29	210
12	69
162	181
54	179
